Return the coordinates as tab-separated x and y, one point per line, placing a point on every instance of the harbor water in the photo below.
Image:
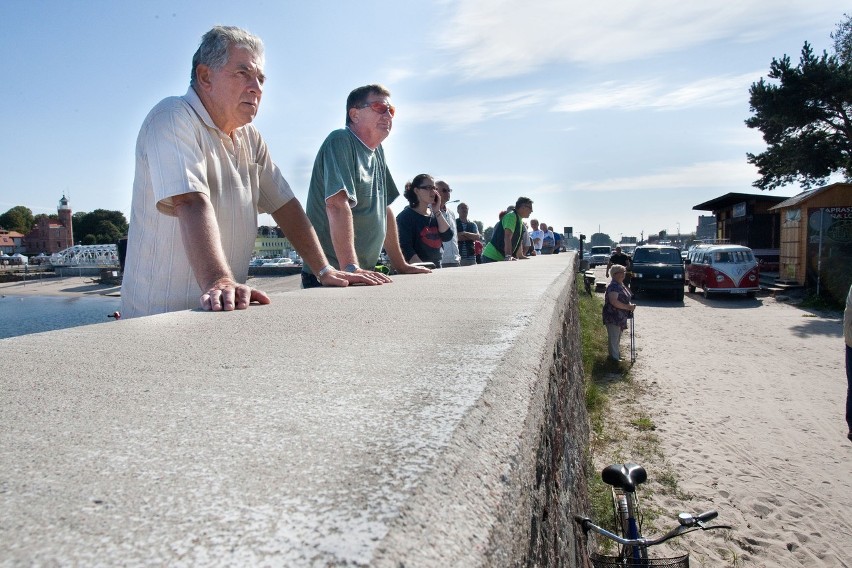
22	315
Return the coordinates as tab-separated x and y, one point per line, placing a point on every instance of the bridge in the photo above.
88	260
84	256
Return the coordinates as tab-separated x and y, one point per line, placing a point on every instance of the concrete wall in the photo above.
435	421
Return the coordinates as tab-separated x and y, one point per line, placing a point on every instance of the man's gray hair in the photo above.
213	51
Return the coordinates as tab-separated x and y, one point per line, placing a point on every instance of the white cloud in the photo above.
462	111
723	174
501	38
744	137
490	179
654	94
610	96
712	91
546	188
398	74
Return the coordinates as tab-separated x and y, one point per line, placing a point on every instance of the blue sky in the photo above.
613	115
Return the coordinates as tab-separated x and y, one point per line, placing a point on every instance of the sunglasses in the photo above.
379	107
427	187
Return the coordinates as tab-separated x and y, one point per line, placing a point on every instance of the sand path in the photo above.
748	399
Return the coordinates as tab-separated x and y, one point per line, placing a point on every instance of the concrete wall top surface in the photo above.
332	427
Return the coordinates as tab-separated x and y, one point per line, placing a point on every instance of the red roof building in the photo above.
50	236
11	242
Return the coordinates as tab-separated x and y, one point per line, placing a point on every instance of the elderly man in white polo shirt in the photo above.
203	173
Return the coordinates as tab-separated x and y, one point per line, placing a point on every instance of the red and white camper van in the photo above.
722	269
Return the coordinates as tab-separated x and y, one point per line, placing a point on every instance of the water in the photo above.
22	315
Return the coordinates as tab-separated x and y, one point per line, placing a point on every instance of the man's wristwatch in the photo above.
351	268
325	270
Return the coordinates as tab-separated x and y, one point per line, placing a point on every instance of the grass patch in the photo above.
620	430
601	374
643	423
822	303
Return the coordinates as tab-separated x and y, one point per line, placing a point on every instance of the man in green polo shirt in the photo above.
506	243
351	190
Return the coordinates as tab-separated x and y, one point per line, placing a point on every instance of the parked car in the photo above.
599	255
657	268
722	269
278	262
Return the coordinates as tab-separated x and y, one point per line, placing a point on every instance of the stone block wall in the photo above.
560	489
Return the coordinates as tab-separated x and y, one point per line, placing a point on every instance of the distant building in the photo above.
816	239
746	219
271	247
11	242
50	236
706	229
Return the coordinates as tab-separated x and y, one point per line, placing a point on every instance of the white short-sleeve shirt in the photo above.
180	150
450	254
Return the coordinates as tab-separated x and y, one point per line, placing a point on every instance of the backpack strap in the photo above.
518	231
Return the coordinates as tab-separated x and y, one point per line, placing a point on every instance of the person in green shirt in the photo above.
506	243
351	190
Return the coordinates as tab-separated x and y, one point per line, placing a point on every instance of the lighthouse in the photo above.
66	233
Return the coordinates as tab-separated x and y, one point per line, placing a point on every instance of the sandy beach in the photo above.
747	396
67	286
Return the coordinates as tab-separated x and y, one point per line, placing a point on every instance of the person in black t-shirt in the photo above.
618	257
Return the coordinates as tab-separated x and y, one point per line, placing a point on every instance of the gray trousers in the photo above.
613	331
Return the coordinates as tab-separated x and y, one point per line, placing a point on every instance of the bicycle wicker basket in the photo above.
601	561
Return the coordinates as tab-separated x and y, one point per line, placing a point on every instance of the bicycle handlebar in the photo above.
688	519
688	523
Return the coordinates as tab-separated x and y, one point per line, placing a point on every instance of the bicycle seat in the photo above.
624	476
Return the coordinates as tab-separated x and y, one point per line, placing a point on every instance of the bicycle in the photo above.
623	480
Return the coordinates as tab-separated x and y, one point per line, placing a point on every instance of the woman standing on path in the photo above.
617	309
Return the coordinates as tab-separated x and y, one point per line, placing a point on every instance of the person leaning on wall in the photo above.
506	243
468	236
351	190
203	173
422	228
